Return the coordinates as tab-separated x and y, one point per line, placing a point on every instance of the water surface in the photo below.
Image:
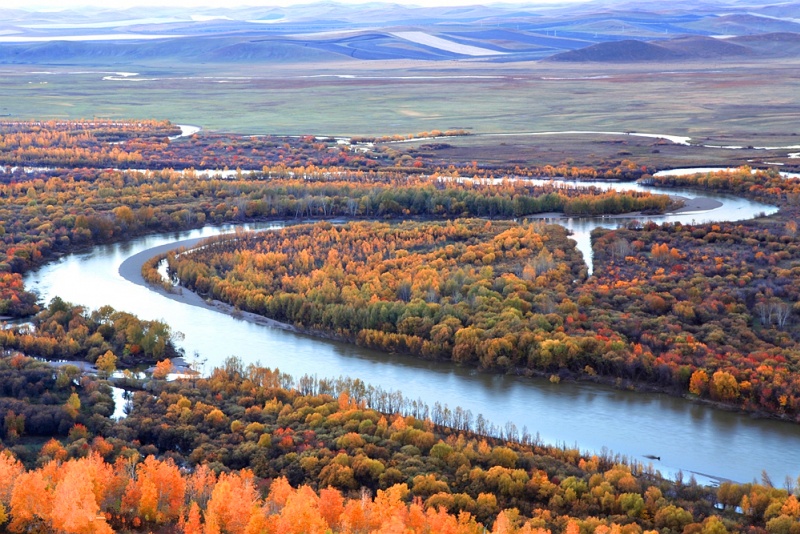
687	436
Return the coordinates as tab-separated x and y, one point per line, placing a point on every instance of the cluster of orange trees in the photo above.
709	310
146	144
89	495
66	332
664	305
470	290
243	451
713	308
80	143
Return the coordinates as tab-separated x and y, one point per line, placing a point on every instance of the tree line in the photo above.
147	144
666	302
227	453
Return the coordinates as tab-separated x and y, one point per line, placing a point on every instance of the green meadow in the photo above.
722	103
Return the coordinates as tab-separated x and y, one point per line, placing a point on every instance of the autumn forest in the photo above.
441	260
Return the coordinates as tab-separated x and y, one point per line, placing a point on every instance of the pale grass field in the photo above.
753	104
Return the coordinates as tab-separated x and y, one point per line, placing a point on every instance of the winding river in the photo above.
688	437
725	208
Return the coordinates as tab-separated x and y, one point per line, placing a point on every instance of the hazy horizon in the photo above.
65	5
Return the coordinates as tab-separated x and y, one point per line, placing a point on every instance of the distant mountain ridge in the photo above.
598	31
692	47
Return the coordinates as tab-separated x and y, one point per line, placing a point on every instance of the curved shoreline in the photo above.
690	206
696	205
187	130
131	270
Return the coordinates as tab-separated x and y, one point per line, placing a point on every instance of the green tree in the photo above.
73	405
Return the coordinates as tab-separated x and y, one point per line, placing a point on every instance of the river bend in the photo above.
690	437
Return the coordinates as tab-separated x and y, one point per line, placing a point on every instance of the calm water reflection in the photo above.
686	436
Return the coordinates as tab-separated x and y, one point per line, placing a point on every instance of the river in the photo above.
689	437
727	208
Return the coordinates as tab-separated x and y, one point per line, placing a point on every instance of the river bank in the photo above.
696	205
577	413
573	412
131	270
689	206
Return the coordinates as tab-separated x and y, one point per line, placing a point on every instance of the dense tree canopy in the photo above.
245	450
704	310
665	302
469	290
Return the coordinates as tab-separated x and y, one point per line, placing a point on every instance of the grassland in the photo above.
576	149
727	103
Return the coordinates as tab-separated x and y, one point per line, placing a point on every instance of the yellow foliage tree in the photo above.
107	363
162	369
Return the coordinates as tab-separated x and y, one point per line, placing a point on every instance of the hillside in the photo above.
700	47
620	51
771	44
687	48
329	32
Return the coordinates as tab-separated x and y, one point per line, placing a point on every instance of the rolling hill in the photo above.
599	31
687	48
